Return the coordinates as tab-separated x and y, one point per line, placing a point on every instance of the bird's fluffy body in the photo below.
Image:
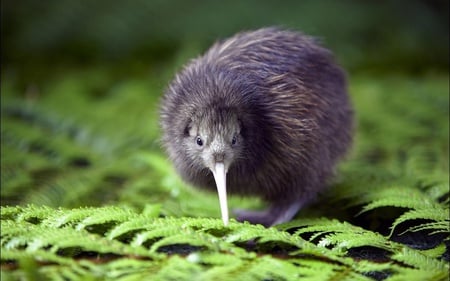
274	104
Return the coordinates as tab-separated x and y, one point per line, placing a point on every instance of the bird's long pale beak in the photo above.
220	173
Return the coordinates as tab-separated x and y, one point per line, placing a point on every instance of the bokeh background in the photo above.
81	80
409	36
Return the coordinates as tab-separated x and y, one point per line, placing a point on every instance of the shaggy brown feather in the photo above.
272	105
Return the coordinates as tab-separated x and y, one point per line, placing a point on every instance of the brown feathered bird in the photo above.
263	113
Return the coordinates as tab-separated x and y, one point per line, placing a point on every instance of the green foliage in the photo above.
87	194
114	243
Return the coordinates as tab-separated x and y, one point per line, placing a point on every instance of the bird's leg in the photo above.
276	213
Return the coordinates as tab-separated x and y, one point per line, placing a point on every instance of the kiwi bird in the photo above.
264	113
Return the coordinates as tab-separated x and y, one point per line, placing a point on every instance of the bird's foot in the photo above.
275	214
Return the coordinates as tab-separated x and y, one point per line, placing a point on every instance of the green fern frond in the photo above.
30	213
157	233
261	268
433	227
135	224
341	235
213	251
197	241
34	237
365	267
341	242
436	252
399	197
418	260
63	217
312	269
440	216
439	191
108	214
39	255
412	274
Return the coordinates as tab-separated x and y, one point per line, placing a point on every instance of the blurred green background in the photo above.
81	80
391	35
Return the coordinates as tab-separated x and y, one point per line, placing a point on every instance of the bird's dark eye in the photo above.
233	141
199	141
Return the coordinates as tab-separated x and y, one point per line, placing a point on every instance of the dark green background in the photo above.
384	35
